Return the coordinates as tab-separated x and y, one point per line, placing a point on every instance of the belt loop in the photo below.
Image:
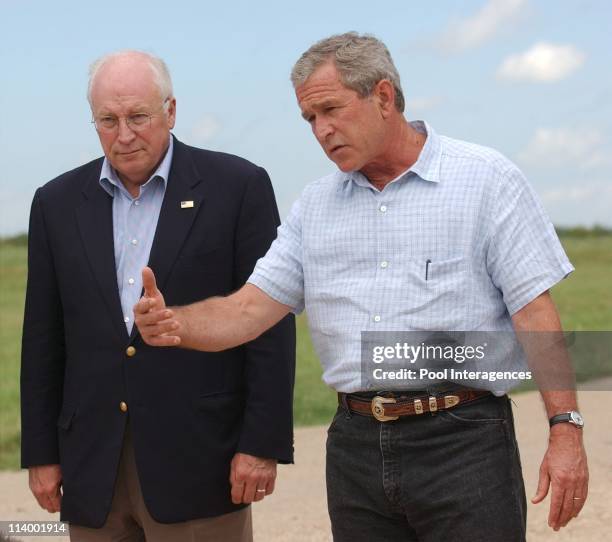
347	411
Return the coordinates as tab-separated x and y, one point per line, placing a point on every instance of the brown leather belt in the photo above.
385	409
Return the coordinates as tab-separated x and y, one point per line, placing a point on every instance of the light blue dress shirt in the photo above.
134	224
356	258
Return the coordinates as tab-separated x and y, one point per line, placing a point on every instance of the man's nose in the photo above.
322	130
124	132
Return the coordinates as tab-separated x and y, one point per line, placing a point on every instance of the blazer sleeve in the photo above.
270	359
42	350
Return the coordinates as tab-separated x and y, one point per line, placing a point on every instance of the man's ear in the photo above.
384	94
171	114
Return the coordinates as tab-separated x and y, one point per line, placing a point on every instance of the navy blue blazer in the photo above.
189	411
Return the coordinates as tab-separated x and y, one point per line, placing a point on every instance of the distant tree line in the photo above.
575	231
581	231
20	240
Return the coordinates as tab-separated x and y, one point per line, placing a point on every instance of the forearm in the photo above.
219	323
215	324
559	401
539	331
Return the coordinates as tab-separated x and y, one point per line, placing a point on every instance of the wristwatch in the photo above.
574	417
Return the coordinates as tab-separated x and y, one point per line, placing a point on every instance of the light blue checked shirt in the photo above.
134	224
355	257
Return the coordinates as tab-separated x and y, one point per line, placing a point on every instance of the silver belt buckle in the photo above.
378	408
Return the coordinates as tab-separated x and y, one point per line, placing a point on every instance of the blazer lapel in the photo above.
95	220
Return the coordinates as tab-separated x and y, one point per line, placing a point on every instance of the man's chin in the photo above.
344	165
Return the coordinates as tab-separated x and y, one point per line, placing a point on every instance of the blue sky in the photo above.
530	78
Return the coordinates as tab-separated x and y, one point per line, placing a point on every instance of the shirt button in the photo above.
130	351
137	203
126	319
123	406
377	318
383	208
134	241
130	281
384	265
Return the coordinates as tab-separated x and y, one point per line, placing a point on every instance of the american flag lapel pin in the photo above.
187	204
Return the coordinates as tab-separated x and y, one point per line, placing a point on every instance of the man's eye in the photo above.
139	119
107	122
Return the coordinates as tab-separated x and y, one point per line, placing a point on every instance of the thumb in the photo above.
148	283
543	485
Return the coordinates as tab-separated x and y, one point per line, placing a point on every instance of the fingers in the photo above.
157	325
237	491
249	491
143	306
569	491
45	482
253	490
149	284
580	498
556	502
55	502
543	485
567	509
270	486
251	478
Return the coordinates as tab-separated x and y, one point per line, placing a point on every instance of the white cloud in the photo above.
423	103
543	62
205	129
583	201
473	31
581	147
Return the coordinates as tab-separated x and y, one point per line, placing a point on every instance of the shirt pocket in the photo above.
436	293
444	275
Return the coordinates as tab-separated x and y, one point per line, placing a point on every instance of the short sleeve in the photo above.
524	256
279	273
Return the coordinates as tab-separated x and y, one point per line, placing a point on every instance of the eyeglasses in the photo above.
138	122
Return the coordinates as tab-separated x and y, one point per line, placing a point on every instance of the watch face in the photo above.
576	418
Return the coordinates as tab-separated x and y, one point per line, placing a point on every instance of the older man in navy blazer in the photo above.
127	440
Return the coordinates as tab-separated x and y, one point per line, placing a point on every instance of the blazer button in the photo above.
130	351
123	406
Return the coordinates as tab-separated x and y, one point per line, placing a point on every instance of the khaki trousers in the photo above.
130	521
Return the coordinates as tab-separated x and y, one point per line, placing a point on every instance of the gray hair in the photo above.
161	74
361	61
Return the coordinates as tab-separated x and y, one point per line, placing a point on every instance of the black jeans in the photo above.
453	476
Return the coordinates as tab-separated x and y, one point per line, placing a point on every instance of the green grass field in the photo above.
584	301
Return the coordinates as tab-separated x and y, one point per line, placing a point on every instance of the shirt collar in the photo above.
427	166
109	180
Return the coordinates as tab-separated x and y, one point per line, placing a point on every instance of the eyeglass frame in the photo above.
128	123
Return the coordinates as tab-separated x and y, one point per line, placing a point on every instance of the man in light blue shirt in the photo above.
416	232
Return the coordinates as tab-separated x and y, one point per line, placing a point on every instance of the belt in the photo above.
385	409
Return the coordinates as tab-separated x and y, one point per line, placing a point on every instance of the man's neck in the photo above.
402	149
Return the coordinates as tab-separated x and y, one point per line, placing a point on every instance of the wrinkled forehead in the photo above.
325	79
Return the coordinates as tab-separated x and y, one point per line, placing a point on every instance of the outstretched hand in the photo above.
156	323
